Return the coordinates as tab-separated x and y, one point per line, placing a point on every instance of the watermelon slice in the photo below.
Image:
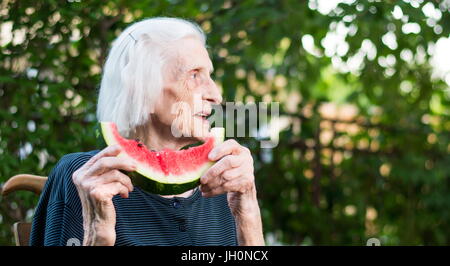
165	172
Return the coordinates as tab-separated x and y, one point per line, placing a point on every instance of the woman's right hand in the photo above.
97	181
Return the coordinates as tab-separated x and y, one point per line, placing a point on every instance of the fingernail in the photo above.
212	155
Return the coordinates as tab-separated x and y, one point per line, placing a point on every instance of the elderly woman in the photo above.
88	199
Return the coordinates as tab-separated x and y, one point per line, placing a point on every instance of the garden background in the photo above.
364	97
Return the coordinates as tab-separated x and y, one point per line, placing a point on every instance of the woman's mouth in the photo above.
203	116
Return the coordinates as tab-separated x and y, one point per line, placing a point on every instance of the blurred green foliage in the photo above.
364	151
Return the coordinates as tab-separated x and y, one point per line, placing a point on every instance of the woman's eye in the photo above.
195	74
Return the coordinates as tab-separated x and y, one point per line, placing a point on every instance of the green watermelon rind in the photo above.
155	187
147	181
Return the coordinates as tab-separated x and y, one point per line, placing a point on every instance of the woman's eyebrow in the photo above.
201	68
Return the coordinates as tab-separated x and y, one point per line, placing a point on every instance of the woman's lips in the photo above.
203	117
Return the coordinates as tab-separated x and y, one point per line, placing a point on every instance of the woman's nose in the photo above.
212	93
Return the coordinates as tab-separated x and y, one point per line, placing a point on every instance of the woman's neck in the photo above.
157	136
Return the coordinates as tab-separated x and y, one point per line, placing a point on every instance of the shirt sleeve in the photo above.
58	217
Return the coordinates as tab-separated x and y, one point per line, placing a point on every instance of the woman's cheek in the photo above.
188	102
181	124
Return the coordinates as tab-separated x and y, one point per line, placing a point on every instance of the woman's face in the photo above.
189	91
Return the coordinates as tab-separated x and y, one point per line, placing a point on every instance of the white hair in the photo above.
132	75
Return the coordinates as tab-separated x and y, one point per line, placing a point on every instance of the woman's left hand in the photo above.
232	174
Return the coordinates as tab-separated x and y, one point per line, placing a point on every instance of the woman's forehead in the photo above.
193	55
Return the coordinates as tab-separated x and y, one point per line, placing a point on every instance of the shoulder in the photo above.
59	182
58	215
72	161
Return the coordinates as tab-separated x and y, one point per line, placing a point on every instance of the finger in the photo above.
208	187
225	148
104	193
218	168
225	177
116	188
115	176
109	151
231	174
105	164
123	191
240	184
214	192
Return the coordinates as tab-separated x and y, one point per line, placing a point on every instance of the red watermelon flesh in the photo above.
166	166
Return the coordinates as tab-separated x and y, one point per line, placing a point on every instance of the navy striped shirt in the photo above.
141	219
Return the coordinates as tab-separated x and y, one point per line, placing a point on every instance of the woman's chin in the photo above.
198	129
201	131
204	134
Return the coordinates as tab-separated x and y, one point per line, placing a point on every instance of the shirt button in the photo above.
182	227
176	204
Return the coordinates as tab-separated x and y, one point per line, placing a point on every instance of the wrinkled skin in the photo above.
187	81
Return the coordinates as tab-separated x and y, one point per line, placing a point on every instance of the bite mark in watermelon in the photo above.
165	172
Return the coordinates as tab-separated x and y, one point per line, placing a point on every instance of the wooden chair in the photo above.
33	183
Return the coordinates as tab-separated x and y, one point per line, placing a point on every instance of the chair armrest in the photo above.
33	183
